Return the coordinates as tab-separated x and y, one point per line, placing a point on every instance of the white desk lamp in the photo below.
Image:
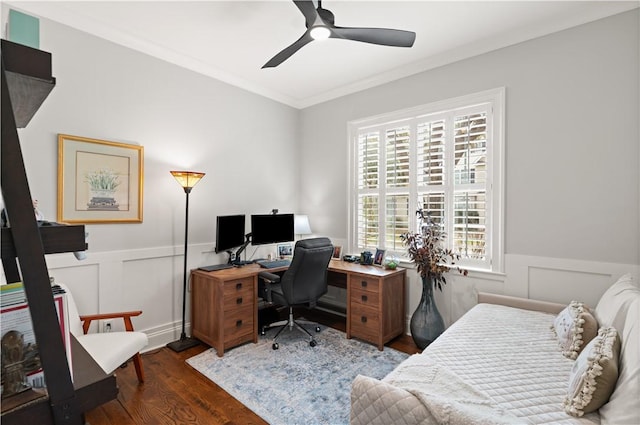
301	225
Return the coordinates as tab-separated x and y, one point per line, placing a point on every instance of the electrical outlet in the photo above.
106	326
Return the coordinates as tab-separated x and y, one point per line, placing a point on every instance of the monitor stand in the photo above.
234	257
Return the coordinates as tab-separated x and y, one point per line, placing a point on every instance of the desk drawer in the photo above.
367	298
365	283
238	286
238	295
238	323
365	321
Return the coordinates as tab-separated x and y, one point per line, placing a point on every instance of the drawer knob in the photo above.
364	298
238	323
363	319
238	286
364	283
239	300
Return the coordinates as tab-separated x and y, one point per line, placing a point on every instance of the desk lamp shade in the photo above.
301	225
187	179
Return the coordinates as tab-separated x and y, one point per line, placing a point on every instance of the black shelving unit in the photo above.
26	83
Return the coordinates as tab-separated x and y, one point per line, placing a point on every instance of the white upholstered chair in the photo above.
108	349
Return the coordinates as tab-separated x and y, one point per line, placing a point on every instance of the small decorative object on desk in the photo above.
379	257
285	250
426	251
366	258
391	263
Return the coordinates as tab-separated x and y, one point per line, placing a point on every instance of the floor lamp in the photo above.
186	179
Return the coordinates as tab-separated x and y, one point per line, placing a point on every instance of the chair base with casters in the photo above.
290	323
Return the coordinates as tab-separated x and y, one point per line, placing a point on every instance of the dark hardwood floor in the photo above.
175	393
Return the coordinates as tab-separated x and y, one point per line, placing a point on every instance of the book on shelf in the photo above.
21	367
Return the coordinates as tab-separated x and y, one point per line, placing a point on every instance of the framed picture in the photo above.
285	250
99	181
379	258
337	252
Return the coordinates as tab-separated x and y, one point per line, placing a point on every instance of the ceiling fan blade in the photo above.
288	51
308	9
382	36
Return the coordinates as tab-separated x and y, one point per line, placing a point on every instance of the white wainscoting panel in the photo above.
562	280
151	280
144	279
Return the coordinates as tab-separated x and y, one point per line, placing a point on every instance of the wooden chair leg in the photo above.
137	362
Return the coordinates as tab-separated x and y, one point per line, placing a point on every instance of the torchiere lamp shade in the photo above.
187	179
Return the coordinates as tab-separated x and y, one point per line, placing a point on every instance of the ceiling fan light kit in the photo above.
320	32
320	26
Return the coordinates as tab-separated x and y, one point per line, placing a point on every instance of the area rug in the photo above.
297	384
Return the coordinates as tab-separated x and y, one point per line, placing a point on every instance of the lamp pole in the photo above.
187	180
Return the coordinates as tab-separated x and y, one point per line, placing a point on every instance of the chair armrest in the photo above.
124	315
269	277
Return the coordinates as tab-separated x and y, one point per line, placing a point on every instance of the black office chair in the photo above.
302	284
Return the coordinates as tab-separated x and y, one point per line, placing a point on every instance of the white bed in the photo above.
502	364
507	354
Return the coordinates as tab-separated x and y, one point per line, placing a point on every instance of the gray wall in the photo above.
572	157
183	119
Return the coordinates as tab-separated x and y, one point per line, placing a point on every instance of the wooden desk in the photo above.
224	303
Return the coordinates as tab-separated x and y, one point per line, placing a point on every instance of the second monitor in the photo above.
271	228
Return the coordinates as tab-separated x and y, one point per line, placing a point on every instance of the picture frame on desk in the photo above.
378	259
99	181
337	252
285	250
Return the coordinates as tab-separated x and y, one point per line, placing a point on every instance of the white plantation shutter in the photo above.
470	178
396	221
368	224
444	158
433	204
430	153
368	160
397	157
469	224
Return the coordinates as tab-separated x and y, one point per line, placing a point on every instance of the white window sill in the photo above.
473	272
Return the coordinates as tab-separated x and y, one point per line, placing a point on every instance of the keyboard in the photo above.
215	267
272	264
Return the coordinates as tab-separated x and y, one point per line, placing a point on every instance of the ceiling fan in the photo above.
320	25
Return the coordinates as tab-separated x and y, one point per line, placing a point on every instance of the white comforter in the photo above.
495	365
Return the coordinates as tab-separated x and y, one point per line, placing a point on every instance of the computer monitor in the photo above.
229	232
271	228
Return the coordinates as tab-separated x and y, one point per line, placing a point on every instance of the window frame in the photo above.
495	186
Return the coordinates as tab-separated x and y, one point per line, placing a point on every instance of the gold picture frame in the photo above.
99	181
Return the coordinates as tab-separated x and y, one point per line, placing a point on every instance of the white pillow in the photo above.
624	405
594	374
574	327
614	303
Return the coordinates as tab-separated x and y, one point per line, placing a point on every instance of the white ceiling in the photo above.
231	40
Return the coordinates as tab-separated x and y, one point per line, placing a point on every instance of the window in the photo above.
445	158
